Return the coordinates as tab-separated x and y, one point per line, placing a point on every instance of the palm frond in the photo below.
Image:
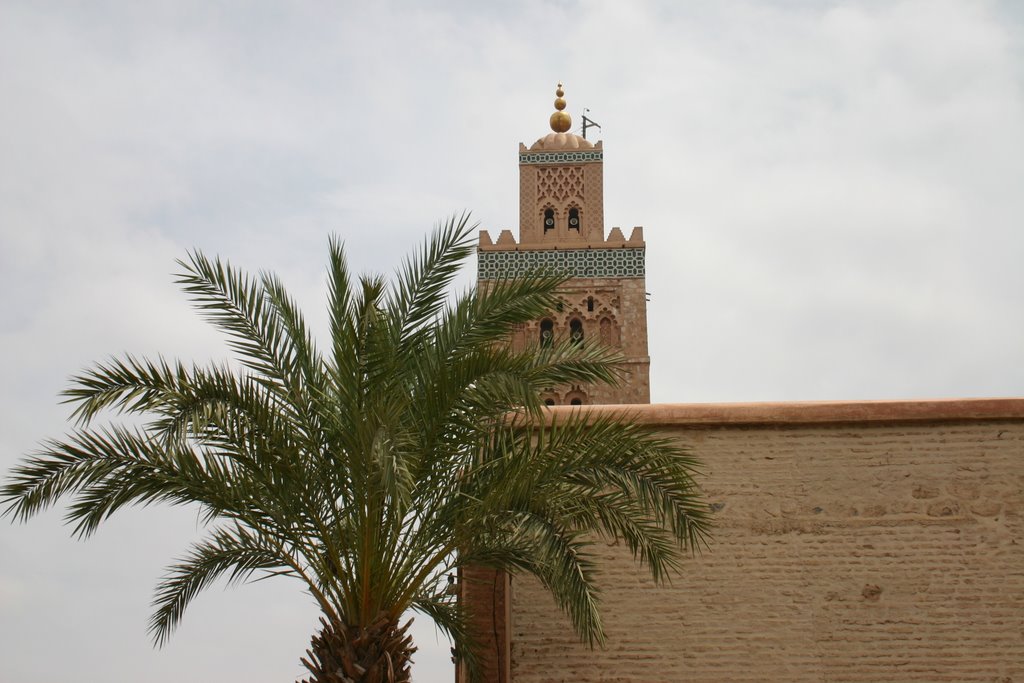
231	551
422	284
234	303
557	556
450	617
84	463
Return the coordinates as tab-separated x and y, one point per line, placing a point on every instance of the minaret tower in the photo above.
561	226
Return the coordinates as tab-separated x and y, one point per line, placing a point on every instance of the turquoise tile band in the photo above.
628	262
559	157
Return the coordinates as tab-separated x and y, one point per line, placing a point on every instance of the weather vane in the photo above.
589	123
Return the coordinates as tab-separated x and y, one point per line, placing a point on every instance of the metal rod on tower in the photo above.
588	123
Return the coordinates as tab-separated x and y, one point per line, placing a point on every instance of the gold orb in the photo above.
559	92
560	122
559	104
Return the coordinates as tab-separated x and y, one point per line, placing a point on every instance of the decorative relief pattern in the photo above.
558	157
560	183
494	265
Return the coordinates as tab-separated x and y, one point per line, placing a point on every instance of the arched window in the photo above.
576	397
574	219
576	331
549	220
551	401
590	304
547	332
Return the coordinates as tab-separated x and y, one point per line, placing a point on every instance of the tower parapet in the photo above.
616	238
615	257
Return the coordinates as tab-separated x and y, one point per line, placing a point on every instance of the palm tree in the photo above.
414	445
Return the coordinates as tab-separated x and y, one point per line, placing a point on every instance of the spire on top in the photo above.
560	121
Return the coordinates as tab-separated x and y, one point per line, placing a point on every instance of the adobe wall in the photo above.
853	542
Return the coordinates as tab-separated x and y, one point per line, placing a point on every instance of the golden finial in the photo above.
560	121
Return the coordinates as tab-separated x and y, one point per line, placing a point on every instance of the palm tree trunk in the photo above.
380	653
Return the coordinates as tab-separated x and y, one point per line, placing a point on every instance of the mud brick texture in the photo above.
483	593
865	552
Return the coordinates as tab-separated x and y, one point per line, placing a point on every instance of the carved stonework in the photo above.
559	183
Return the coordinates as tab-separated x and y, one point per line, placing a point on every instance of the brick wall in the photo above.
484	592
853	542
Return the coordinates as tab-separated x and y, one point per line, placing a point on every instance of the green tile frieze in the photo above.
559	157
619	262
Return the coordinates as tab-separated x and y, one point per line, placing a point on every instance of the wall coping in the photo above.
809	412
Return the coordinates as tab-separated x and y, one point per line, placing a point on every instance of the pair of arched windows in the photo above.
575	401
547	332
573	222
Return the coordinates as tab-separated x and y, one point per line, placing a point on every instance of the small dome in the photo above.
558	141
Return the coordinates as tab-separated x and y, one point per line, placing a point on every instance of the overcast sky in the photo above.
831	195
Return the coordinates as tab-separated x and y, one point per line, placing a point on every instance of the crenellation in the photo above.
616	238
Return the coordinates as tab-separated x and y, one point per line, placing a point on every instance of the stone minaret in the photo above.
561	226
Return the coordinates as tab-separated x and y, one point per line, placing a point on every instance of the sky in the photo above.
831	194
